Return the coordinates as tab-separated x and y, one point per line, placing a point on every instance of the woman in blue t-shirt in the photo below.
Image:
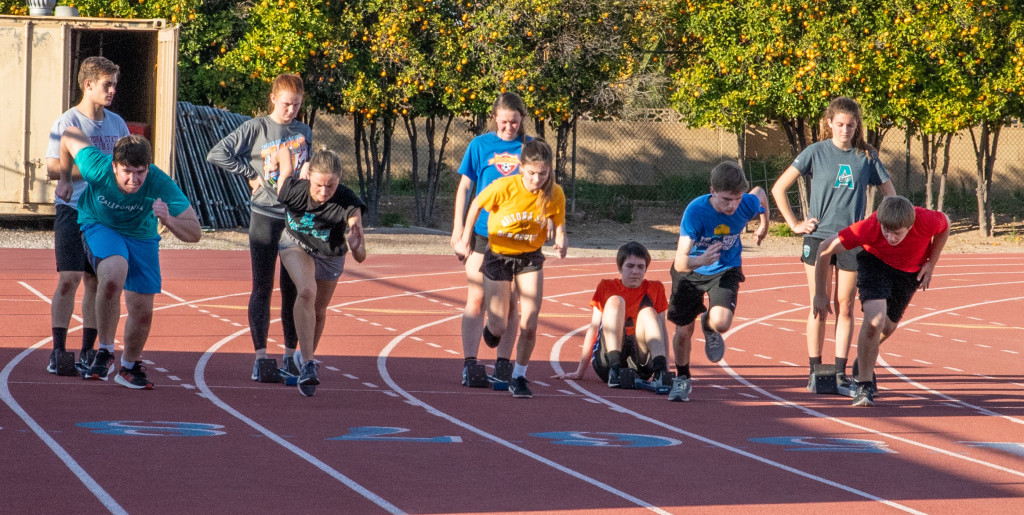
488	157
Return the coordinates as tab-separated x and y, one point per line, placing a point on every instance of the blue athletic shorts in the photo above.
143	256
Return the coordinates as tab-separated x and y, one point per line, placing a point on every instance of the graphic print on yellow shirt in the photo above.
515	225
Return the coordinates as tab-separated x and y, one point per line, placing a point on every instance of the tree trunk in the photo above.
412	131
797	137
985	145
741	146
941	200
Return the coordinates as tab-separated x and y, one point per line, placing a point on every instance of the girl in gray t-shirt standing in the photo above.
251	151
840	167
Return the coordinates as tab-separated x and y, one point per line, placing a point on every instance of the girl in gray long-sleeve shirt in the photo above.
250	151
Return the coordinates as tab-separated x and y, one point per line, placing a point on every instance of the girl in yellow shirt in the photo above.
520	207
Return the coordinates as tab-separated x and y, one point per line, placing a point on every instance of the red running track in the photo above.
391	430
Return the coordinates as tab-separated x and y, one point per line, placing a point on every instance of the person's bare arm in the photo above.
783	183
356	239
763	218
462	195
588	349
185	226
927	269
826	250
684	263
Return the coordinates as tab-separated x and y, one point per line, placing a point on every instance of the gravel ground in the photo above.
656	229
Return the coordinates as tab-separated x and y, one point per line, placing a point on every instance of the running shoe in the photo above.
309	378
519	389
614	379
100	366
865	397
681	388
490	339
52	366
714	344
134	378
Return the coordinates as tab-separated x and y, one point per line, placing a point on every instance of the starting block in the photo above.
502	370
82	366
497	384
823	381
476	376
289	380
661	387
266	371
66	364
627	378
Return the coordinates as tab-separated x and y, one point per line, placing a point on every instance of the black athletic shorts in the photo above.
687	301
479	244
877	280
67	242
845	261
499	267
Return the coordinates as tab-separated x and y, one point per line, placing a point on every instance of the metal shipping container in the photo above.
40	67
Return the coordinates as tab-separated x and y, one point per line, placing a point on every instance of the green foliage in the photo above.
781	229
394	219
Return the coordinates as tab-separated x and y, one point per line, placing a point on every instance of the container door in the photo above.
35	71
166	99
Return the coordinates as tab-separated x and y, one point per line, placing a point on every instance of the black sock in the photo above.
89	335
470	360
60	337
683	370
659	364
615	359
814	361
840	365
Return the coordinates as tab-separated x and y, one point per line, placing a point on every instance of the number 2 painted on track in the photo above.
384	434
157	428
815	444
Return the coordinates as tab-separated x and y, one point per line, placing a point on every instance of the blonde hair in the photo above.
326	162
538	151
289	82
848	106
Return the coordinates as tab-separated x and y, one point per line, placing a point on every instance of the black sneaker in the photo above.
614	380
52	366
519	389
309	378
290	367
865	397
490	339
100	366
85	360
842	381
134	378
714	344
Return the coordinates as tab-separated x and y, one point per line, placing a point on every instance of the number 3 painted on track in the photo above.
589	439
813	443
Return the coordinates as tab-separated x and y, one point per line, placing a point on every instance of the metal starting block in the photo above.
661	387
824	382
497	384
627	378
266	371
476	376
66	364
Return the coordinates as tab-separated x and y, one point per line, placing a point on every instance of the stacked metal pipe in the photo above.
221	199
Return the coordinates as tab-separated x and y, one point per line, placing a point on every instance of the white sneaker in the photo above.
681	389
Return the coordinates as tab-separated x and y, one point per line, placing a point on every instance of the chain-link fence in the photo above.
659	159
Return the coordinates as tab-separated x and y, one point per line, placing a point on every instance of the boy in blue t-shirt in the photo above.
708	261
118	212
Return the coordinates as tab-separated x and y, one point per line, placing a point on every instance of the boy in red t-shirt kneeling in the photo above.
902	243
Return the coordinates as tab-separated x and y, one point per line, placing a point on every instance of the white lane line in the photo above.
557	365
411	399
200	381
90	484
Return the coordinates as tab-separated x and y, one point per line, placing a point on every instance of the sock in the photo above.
519	370
615	359
89	335
683	370
659	364
814	361
127	364
470	360
840	365
109	347
60	337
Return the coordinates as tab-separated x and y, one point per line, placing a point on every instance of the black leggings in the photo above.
264	235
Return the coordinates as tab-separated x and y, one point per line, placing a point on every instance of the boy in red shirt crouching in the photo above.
902	243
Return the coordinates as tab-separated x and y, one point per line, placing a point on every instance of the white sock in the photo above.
297	356
126	364
109	347
519	370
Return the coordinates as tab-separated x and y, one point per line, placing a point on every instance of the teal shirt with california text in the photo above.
130	215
